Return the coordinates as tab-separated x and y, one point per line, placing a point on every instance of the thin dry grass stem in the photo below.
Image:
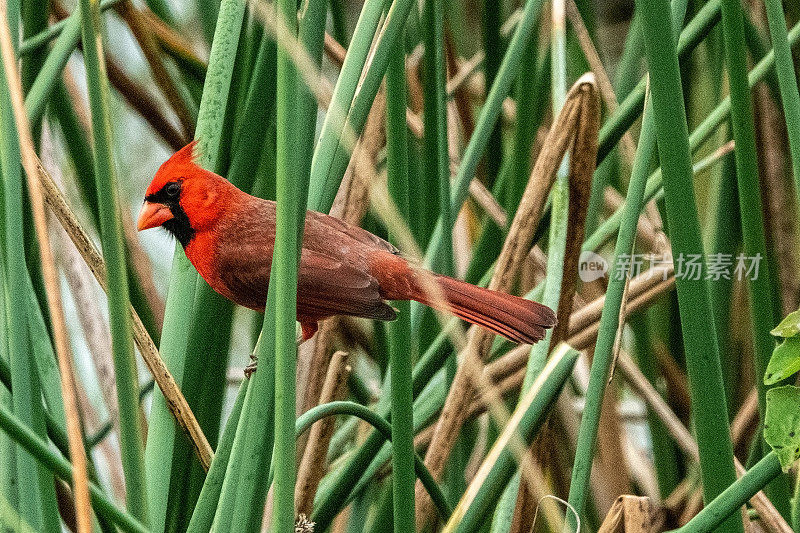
336	53
144	103
745	418
465	72
536	492
334	50
163	377
627	146
77	452
470	377
654	288
144	35
312	359
770	517
309	72
471	66
692	506
581	169
677	498
623	315
646	232
508	370
312	465
504	440
460	96
484	198
95	333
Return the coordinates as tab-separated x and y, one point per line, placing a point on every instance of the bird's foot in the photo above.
249	369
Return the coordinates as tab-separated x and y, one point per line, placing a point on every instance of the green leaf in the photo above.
784	362
789	326
782	423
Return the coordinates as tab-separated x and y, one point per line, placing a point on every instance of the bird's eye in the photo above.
173	189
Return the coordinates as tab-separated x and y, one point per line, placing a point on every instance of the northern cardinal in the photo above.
229	235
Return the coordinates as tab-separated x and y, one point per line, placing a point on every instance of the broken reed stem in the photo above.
582	167
176	402
77	452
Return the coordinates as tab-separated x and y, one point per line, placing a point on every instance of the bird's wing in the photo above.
327	286
320	222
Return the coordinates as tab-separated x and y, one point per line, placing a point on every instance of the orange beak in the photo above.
153	215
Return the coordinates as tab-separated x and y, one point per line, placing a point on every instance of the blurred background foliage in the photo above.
458	116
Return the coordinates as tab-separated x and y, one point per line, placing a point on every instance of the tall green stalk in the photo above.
487	118
609	320
493	49
435	144
34	489
322	193
787	81
750	210
331	156
559	198
131	433
163	440
38	449
203	514
700	135
702	352
400	345
291	189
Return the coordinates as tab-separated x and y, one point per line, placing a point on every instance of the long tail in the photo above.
515	318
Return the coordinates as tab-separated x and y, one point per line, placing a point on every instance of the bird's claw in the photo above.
249	369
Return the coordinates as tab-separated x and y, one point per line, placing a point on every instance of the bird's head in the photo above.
183	197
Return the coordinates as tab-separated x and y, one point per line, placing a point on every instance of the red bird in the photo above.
229	235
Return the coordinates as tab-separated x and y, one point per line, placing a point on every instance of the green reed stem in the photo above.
26	402
700	135
203	515
400	345
131	432
750	210
321	193
163	440
787	80
702	351
418	468
41	452
486	120
609	319
291	189
728	503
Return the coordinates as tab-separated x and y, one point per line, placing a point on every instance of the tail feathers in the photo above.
515	318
